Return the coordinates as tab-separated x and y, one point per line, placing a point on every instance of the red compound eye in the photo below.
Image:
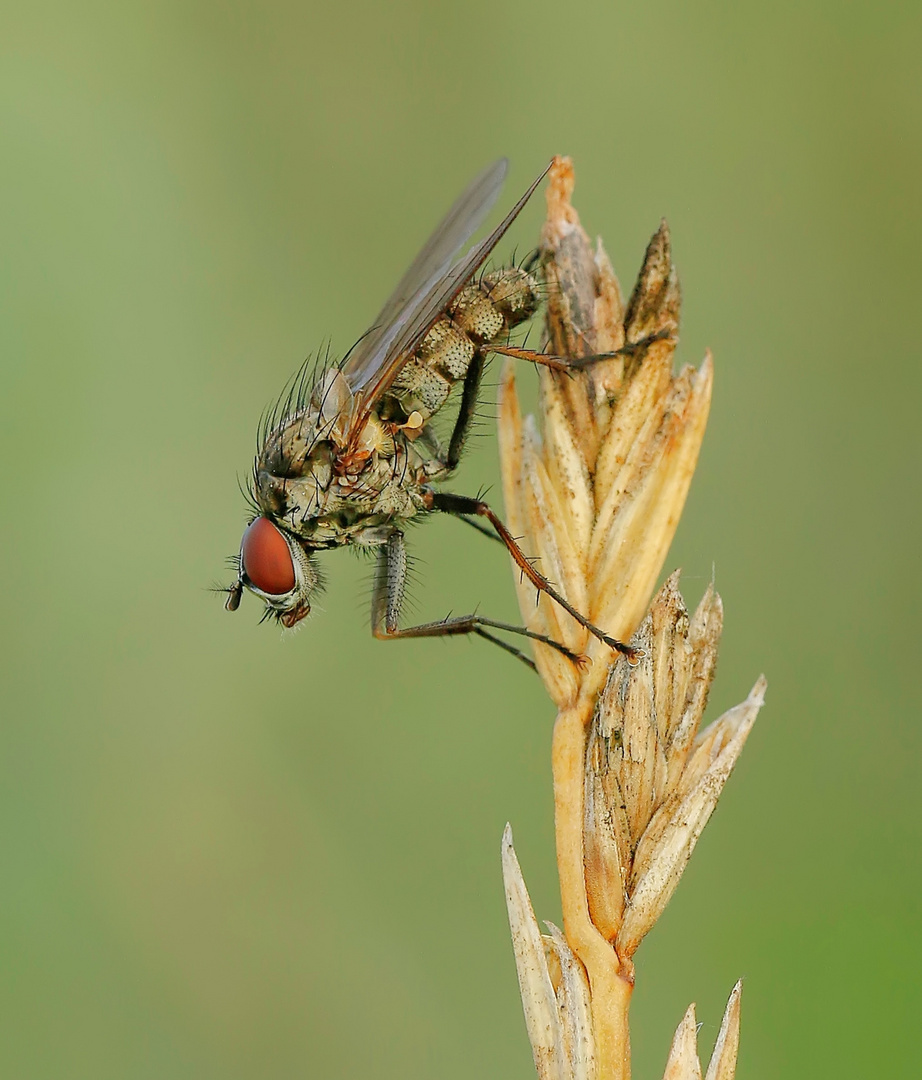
266	558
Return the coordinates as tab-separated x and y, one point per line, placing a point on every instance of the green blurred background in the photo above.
230	855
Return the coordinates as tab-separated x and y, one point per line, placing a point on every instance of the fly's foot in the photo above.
632	654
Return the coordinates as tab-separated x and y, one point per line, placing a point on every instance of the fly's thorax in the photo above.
297	448
294	470
313	459
306	440
382	475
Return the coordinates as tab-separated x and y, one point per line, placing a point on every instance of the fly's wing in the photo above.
411	316
436	256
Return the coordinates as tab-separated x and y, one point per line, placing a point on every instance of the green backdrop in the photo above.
230	855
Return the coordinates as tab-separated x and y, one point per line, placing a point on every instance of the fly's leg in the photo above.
474	374
462	427
482	529
463	505
555	363
387	600
577	363
466	410
626	350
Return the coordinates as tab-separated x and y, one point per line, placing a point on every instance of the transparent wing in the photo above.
433	261
411	317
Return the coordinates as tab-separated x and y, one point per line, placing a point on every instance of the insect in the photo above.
354	458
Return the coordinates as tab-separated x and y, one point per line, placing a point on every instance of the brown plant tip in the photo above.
654	304
596	493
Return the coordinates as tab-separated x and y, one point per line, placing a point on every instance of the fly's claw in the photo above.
632	654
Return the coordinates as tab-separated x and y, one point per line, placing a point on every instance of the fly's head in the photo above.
277	568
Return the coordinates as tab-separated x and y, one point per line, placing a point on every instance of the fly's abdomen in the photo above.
482	315
488	309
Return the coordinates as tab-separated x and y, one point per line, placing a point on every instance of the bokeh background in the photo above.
231	855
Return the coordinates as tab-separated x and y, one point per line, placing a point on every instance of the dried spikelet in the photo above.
683	1063
553	984
595	493
542	1017
723	1060
599	497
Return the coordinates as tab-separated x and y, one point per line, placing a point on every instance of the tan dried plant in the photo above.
596	495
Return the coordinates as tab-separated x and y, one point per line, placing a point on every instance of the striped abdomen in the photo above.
482	315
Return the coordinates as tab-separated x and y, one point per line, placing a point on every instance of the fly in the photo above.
354	458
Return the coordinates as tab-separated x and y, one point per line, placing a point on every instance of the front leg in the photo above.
389	586
387	600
